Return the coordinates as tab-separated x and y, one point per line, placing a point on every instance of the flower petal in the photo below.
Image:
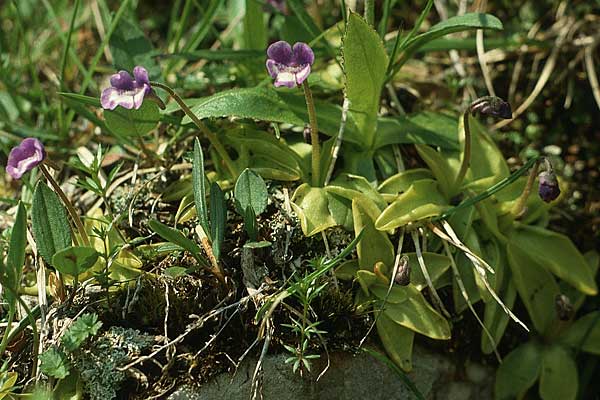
302	74
303	54
273	68
280	52
122	80
112	97
24	157
141	75
285	78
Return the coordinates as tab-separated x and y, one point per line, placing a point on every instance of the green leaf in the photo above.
313	209
430	128
199	185
558	379
174	236
584	334
130	47
75	260
416	314
49	221
16	251
437	265
255	33
54	363
218	217
397	341
133	123
85	326
251	191
257	245
401	182
558	254
518	372
375	245
268	104
422	200
250	223
536	286
451	25
365	63
440	167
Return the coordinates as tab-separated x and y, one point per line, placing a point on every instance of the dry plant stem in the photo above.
519	207
68	205
212	138
466	160
314	135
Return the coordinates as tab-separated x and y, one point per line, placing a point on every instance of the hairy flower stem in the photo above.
212	138
466	160
68	205
314	135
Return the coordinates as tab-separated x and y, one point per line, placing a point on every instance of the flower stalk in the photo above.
314	135
212	138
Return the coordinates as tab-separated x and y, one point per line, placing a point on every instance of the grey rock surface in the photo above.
349	377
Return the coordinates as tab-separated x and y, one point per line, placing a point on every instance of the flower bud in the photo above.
402	276
549	189
563	306
491	106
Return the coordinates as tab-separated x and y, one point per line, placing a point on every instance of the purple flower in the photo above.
25	157
279	5
126	91
290	67
548	189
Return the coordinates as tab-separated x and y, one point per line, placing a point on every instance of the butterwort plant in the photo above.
29	154
290	66
130	92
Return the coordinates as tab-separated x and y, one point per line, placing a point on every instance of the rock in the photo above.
349	377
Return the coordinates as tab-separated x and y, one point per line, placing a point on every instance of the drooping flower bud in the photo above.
549	189
491	106
402	276
563	306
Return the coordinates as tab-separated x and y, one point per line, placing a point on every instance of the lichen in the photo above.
99	361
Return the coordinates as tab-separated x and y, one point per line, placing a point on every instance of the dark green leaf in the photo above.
558	378
16	251
85	326
218	218
174	236
54	363
365	63
518	372
198	179
133	123
251	191
49	221
584	334
130	47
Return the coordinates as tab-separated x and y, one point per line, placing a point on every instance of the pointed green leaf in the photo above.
584	334
199	185
557	253
251	191
536	286
174	236
16	251
218	217
365	63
